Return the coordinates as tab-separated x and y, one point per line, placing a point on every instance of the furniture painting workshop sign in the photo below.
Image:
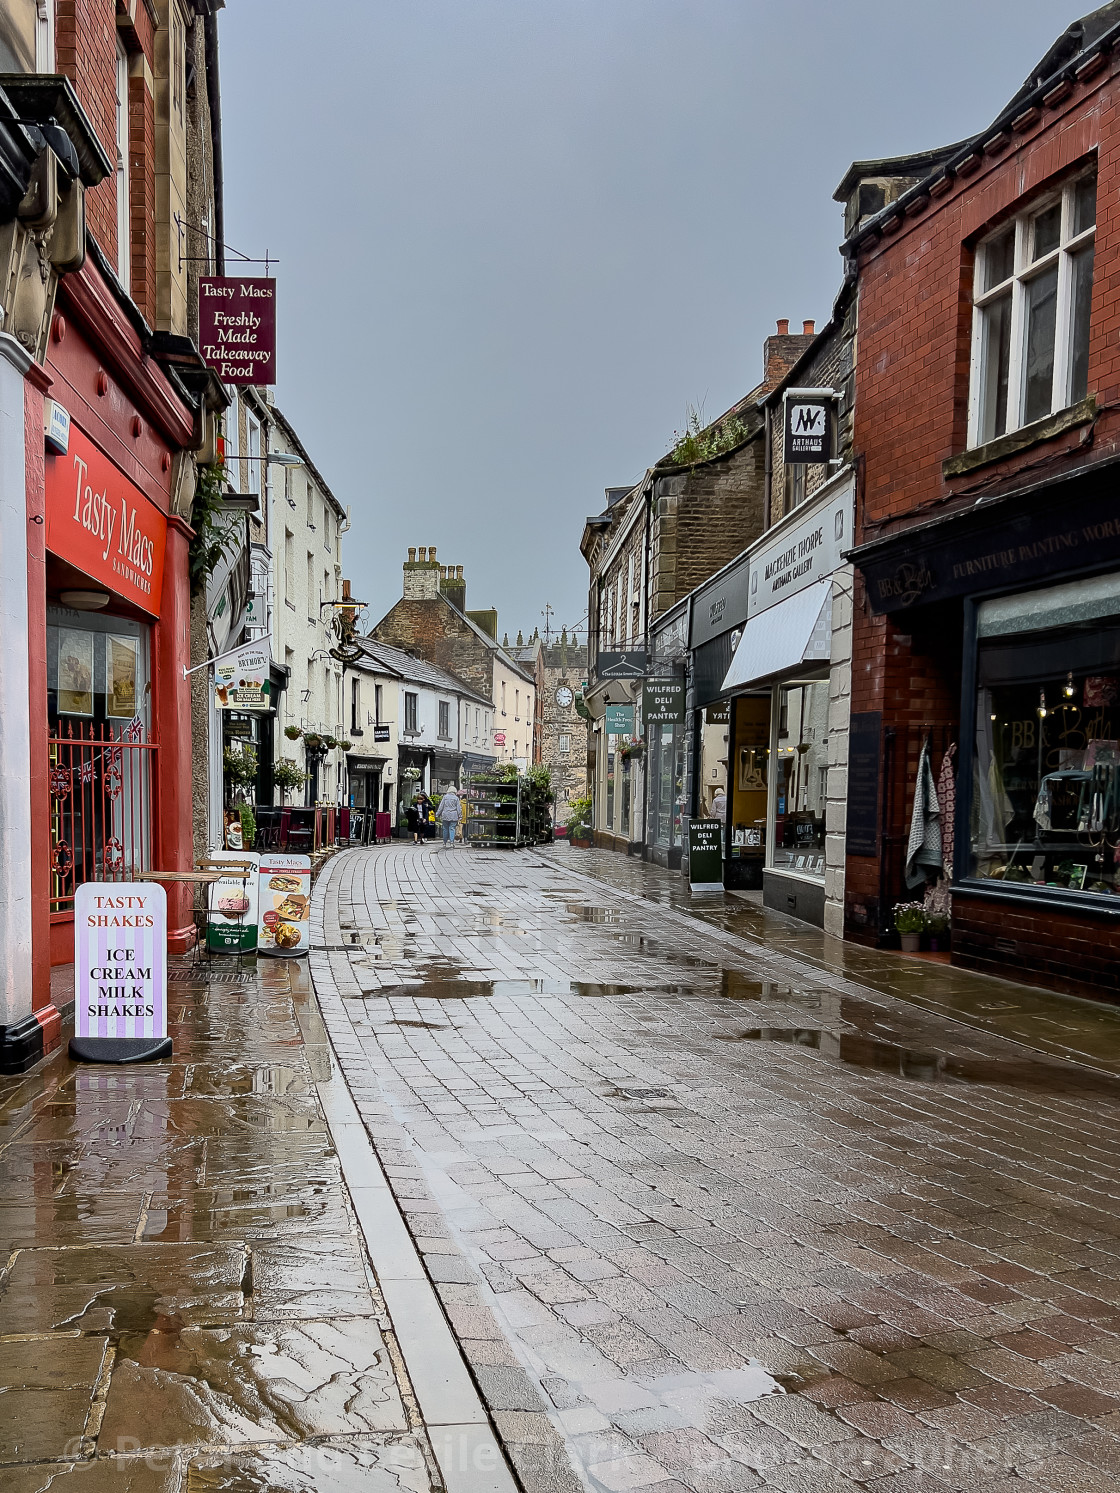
232	925
241	679
285	903
120	971
237	328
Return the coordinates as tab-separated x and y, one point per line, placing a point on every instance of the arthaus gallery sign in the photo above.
237	328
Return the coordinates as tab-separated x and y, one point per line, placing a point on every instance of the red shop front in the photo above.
109	621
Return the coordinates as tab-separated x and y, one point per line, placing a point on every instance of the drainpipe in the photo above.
768	473
214	100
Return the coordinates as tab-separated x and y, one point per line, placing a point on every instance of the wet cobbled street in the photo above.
709	1207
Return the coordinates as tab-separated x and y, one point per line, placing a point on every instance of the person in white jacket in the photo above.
449	813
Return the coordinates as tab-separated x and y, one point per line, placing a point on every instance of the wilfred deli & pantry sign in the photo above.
237	328
120	960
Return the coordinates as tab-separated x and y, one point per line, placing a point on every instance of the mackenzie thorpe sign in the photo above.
237	328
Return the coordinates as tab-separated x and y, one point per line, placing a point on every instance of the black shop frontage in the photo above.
998	630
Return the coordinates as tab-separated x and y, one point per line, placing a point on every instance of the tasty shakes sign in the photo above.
120	964
103	525
237	328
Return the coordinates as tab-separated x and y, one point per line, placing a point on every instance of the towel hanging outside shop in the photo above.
924	858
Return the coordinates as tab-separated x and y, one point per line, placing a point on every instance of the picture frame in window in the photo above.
122	671
75	672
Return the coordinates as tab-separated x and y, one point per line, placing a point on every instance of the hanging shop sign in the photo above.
621	665
705	855
101	523
663	702
284	900
381	733
232	927
718	714
241	680
499	738
237	328
618	720
802	553
120	971
808	426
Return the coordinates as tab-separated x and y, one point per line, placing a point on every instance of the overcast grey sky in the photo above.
518	237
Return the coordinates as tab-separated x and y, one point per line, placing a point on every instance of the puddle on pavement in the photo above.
587	914
927	1066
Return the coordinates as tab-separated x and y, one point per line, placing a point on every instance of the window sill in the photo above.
1021	439
289	604
1097	904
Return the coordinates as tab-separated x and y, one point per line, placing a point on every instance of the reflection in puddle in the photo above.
588	914
933	1067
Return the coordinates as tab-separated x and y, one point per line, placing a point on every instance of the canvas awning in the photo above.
784	638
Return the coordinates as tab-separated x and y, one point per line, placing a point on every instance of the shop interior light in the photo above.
1069	686
1041	703
84	601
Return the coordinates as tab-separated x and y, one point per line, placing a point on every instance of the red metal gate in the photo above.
102	806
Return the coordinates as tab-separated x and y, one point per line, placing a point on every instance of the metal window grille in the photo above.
102	806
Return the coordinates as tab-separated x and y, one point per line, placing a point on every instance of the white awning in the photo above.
783	638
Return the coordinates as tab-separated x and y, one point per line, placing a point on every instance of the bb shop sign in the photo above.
802	553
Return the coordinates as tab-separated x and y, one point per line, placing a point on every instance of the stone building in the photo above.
431	621
564	733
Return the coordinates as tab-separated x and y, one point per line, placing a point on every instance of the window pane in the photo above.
1042	306
1084	204
1082	266
997	362
802	774
1047	231
999	257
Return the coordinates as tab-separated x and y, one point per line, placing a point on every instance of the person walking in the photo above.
719	806
449	813
416	814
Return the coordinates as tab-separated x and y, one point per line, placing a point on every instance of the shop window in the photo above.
410	710
624	789
801	774
1030	340
445	720
666	778
608	822
1045	806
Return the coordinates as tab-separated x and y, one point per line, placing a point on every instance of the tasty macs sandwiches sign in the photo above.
120	960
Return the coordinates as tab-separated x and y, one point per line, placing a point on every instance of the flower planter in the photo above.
910	942
578	843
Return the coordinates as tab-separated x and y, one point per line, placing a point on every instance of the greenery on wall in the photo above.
215	530
699	442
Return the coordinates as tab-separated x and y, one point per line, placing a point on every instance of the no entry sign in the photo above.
120	971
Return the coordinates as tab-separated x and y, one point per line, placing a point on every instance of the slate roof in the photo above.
415	670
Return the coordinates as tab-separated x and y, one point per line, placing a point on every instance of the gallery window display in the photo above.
801	762
1046	761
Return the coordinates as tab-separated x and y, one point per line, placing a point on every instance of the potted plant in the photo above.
313	742
288	775
345	746
330	743
240	765
579	822
633	751
248	826
909	924
293	733
937	926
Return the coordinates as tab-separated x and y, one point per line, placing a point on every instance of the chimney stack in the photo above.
781	351
422	554
421	576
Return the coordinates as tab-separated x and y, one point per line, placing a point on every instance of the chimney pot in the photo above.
412	555
422	552
809	328
432	553
783	326
458	572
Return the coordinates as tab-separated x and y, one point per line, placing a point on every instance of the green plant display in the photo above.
216	531
330	743
579	818
240	764
248	826
293	733
537	799
288	775
699	442
909	917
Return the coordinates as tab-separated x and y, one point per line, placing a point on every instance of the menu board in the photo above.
232	924
285	904
120	959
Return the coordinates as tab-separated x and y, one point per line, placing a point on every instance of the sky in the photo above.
517	239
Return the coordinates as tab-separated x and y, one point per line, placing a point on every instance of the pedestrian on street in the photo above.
719	806
417	813
449	813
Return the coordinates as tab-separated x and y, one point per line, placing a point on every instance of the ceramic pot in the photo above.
910	942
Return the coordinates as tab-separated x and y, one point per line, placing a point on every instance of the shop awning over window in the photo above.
782	639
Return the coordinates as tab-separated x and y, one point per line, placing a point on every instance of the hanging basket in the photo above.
293	733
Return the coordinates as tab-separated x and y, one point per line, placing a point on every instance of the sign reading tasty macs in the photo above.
285	904
241	679
101	523
237	328
120	959
232	926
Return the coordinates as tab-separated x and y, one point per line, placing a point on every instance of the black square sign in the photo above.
808	428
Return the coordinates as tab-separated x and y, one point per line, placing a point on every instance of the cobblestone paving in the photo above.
715	1217
185	1298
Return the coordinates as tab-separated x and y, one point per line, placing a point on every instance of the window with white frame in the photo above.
253	452
44	36
231	436
445	720
122	166
565	745
411	702
1030	335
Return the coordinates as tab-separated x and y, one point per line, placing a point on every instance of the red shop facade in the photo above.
108	620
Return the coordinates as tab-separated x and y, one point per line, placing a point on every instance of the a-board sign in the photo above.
232	923
705	855
120	960
285	904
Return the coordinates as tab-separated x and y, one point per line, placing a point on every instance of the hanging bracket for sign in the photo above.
808	426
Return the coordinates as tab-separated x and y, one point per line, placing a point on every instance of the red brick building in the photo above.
987	441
